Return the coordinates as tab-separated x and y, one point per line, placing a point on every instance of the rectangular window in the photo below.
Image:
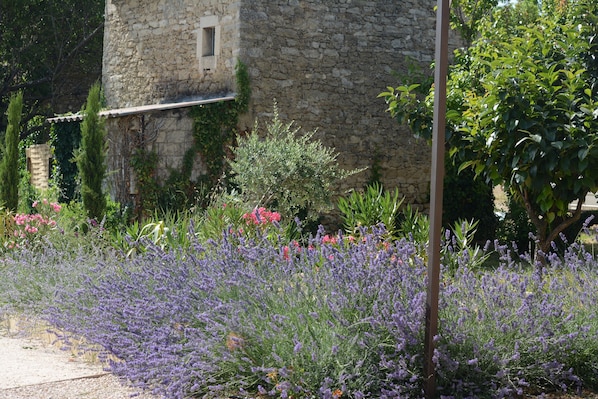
208	41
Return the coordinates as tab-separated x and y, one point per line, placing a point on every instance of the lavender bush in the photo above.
238	315
334	318
31	275
509	332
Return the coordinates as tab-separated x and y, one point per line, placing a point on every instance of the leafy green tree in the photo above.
466	15
9	166
51	50
535	128
522	113
584	14
91	156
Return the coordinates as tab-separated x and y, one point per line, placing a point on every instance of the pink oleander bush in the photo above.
261	217
29	229
233	216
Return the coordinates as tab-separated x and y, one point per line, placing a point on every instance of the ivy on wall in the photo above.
214	128
66	138
144	163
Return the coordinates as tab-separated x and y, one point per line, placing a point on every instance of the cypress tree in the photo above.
9	166
91	156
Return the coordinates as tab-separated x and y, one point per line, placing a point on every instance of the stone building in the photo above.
323	61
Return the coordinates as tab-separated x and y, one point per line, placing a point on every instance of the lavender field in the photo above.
330	317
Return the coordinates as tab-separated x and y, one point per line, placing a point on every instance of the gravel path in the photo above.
102	387
31	367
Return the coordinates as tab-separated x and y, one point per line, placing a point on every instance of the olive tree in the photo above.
286	170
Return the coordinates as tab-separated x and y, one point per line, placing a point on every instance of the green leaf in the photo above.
583	153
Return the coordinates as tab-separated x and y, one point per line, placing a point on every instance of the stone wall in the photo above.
324	62
168	133
38	164
151	50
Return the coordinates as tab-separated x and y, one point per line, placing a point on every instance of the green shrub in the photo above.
369	208
286	172
9	166
90	158
73	217
467	198
227	214
414	225
224	212
459	248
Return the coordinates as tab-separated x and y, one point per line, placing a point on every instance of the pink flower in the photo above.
19	219
56	207
34	205
250	218
261	216
327	239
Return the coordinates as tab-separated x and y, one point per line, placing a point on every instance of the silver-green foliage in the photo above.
286	171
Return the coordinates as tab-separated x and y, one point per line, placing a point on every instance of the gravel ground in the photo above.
33	367
100	387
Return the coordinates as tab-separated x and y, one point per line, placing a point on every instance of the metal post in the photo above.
436	189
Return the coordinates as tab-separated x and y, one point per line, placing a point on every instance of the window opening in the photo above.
209	41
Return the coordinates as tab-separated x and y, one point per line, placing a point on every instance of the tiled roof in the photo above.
118	112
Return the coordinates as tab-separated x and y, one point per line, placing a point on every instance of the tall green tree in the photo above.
51	50
467	15
523	112
9	166
91	156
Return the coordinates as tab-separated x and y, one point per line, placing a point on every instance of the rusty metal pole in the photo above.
436	189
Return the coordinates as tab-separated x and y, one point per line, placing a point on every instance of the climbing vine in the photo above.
214	128
145	163
66	138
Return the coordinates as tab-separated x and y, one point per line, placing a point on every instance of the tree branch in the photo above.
78	47
567	222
